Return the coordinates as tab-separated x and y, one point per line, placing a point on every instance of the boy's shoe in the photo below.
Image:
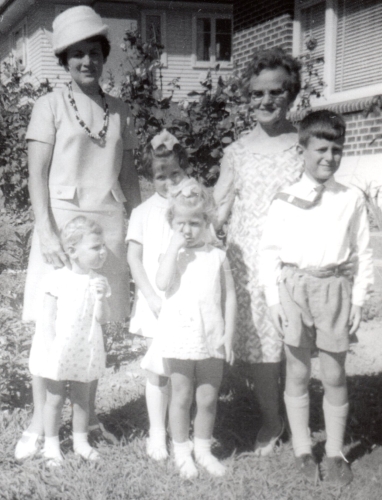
338	471
308	467
28	445
98	433
265	449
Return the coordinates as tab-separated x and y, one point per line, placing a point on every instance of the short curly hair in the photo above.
272	59
190	194
103	41
149	154
74	230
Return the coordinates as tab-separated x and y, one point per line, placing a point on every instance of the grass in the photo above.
125	472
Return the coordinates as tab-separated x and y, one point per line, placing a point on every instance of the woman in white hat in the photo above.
80	156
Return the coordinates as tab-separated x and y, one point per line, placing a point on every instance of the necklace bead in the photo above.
102	133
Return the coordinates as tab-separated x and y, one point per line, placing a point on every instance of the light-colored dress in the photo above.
77	352
248	183
83	180
191	324
149	227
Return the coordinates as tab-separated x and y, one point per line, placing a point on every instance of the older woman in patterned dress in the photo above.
253	170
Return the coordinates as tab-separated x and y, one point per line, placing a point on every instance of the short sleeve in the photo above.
130	140
42	123
135	230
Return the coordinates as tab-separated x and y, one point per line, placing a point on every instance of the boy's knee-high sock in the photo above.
298	416
335	424
157	402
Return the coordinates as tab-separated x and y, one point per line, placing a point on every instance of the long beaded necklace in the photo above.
102	133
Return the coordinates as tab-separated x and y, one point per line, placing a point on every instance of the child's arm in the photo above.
229	294
135	261
167	267
49	319
101	306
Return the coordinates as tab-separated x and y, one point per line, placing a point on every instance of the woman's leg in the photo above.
267	389
79	395
27	445
55	397
182	387
209	374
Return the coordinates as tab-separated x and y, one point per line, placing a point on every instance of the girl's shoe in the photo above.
53	458
184	461
156	450
87	452
265	449
28	445
211	464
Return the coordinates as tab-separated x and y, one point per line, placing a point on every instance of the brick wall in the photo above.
362	134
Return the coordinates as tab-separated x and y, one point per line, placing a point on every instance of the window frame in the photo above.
331	18
163	23
196	64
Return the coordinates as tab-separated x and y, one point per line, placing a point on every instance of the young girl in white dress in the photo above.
196	323
164	161
68	343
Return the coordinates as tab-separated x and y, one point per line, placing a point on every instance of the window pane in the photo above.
359	44
203	39
223	39
153	29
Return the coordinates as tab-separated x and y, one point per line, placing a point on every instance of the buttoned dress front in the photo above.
83	180
248	183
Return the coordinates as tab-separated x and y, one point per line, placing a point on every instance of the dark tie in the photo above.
299	202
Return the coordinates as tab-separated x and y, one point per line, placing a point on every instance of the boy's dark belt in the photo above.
322	272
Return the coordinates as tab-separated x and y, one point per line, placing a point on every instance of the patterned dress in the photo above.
253	181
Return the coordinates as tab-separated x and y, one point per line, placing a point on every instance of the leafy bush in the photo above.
16	101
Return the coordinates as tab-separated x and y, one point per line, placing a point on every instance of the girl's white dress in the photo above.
191	324
149	227
77	352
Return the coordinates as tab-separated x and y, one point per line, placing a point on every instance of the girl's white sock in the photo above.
298	416
183	459
203	455
82	447
157	402
52	448
335	425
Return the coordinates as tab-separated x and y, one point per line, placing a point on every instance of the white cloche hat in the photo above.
74	25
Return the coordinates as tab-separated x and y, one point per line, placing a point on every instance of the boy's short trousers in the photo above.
317	310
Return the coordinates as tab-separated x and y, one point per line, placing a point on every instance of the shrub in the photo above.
16	101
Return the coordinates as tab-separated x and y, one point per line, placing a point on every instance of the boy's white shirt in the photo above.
326	234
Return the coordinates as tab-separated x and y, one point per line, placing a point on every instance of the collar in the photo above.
309	184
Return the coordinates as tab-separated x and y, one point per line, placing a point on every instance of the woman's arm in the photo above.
224	194
39	159
49	319
168	266
229	296
128	179
135	261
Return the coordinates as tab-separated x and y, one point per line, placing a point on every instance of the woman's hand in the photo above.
155	304
52	251
278	318
226	341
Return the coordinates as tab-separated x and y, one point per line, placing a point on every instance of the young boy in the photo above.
316	231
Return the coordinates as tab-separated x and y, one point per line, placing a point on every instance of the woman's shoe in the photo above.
28	445
265	449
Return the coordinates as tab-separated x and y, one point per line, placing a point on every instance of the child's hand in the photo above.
178	241
278	318
155	304
100	287
355	318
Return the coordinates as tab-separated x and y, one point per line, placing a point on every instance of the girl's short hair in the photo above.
74	230
323	124
272	59
105	48
189	193
149	154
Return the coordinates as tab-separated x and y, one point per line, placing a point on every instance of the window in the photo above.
212	39
348	35
154	30
19	45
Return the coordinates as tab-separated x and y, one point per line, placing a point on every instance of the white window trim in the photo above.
163	24
212	62
329	96
24	27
